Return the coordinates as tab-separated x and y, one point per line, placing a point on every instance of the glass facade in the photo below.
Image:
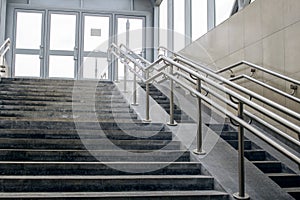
199	18
223	10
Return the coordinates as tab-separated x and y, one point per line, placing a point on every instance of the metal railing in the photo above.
3	50
190	71
5	47
294	83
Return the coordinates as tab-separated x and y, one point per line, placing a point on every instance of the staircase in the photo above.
179	115
277	171
47	152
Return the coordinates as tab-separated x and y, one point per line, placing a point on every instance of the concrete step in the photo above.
61	99
61	125
56	82
94	155
86	134
255	155
229	135
221	127
269	166
138	195
58	88
167	106
103	103
234	144
70	115
99	168
105	183
99	108
79	119
294	192
58	94
286	180
91	144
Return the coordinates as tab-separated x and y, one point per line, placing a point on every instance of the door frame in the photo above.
39	52
74	53
11	25
83	53
129	16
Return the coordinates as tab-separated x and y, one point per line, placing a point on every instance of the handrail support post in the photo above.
241	164
125	77
134	89
147	98
199	150
172	121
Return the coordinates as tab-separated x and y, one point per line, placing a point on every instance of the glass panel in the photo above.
135	34
135	39
163	24
27	65
29	29
62	33
95	68
96	33
179	24
61	66
223	10
199	18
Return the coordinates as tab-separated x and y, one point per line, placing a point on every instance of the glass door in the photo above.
131	33
63	45
29	46
96	39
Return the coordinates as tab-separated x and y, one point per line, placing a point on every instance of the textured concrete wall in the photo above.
266	33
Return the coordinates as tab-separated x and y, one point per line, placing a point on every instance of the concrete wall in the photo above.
265	33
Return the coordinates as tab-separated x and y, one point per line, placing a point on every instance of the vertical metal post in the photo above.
127	45
172	121
147	98
134	89
199	150
125	77
241	194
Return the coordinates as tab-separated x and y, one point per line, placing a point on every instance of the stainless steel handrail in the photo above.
231	104
196	66
241	101
242	89
278	75
5	43
291	97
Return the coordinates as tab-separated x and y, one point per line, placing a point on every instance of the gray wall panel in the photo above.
107	5
56	3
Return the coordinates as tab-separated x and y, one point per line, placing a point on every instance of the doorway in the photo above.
70	45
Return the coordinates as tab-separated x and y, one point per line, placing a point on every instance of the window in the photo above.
179	25
223	10
199	18
163	23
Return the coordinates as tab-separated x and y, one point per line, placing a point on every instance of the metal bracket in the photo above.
294	88
252	72
231	98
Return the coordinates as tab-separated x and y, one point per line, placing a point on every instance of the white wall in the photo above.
265	33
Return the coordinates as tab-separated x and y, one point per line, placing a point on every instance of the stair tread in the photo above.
112	194
292	189
66	119
282	174
105	177
97	163
266	161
